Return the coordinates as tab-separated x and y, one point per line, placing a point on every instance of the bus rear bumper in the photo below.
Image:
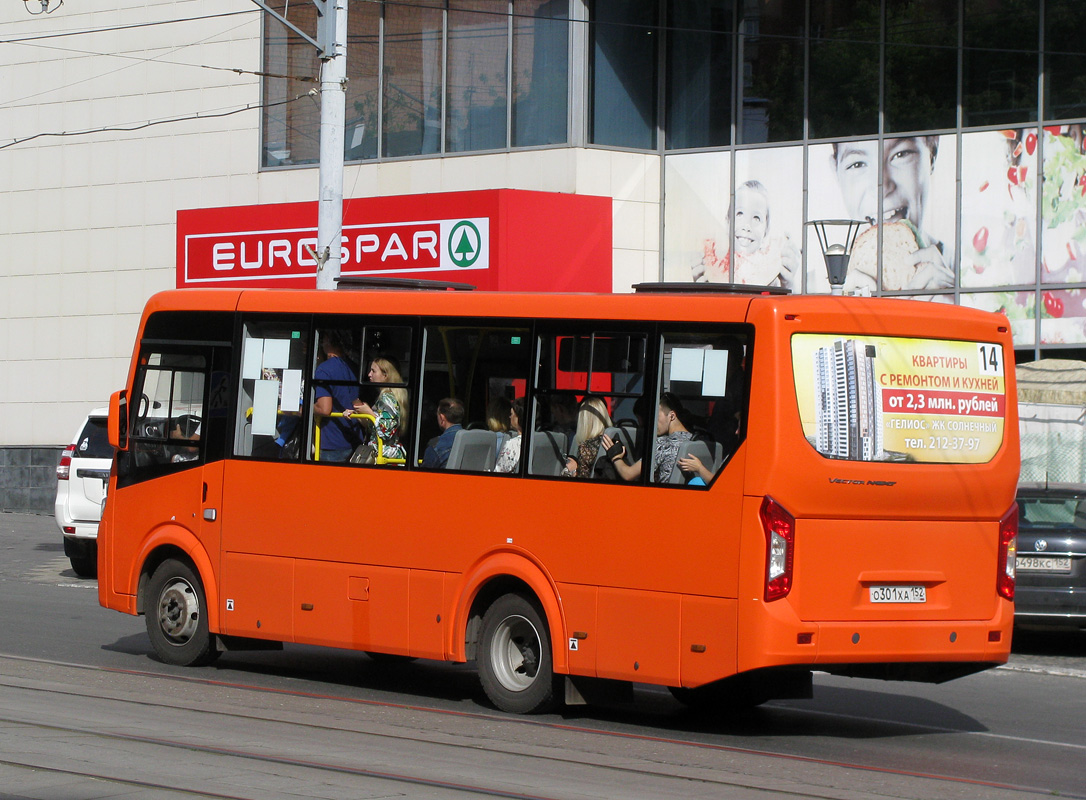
914	650
930	652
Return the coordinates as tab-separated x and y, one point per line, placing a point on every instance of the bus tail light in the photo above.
1008	550
780	539
65	465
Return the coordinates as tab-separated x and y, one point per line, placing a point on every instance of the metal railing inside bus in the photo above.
379	457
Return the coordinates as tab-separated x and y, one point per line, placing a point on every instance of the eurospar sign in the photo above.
440	245
408	236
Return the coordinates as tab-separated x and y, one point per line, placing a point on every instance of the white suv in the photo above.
82	477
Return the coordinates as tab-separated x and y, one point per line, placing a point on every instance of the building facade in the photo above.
951	129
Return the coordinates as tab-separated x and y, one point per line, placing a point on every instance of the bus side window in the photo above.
486	370
590	388
702	406
168	421
273	377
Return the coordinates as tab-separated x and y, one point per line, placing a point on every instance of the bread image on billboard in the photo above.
900	241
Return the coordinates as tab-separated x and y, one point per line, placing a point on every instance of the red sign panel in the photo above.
499	239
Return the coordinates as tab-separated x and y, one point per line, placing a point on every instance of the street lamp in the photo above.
836	237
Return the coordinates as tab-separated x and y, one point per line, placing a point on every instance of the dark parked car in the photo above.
1051	561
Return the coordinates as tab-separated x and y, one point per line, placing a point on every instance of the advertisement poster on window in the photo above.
1063	238
1019	307
752	237
768	217
999	209
915	202
697	187
897	399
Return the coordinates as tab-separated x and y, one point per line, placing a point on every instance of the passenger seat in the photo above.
710	453
548	453
474	451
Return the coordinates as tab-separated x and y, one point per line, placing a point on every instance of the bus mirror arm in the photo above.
117	425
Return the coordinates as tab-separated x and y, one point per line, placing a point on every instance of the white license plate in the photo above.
898	594
1043	563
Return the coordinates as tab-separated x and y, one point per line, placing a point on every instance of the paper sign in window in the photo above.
715	380
686	364
251	356
265	407
276	353
292	390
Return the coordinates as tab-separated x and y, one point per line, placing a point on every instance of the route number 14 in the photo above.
991	359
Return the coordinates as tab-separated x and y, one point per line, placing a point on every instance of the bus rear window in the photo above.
870	398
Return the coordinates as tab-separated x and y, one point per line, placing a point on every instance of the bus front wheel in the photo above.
515	666
176	614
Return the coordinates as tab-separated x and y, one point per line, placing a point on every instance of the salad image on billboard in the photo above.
898	399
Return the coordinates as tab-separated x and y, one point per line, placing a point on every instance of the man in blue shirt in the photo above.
450	413
336	390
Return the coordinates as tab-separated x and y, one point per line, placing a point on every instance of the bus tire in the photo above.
176	616
515	665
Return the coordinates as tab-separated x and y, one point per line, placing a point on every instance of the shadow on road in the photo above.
1049	643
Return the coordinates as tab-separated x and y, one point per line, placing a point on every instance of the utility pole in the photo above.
331	43
332	37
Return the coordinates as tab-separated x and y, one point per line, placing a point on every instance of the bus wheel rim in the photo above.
178	611
515	653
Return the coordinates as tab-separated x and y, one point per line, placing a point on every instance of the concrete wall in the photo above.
28	478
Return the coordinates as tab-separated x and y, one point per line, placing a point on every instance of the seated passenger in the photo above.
389	411
498	412
450	413
700	475
671	432
563	412
592	421
509	457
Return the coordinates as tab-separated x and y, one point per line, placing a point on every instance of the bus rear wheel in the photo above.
515	665
175	609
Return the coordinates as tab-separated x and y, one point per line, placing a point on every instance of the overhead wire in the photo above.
129	127
135	126
16	100
114	28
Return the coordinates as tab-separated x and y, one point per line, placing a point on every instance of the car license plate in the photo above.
1043	563
898	594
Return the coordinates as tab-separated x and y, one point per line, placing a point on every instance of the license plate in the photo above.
898	594
1043	563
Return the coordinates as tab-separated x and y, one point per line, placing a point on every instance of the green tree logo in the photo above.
465	244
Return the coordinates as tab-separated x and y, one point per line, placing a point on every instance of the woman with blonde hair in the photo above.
389	411
592	421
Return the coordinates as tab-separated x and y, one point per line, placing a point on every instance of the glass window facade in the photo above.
921	72
843	72
540	79
424	78
699	68
953	130
624	37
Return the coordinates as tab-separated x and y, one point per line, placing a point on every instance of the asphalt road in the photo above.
87	711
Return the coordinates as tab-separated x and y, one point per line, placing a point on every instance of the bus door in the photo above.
171	472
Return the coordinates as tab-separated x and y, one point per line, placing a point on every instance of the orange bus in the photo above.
705	488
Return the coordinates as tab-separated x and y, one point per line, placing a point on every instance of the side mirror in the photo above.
117	426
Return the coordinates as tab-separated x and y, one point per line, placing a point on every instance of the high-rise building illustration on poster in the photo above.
849	401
